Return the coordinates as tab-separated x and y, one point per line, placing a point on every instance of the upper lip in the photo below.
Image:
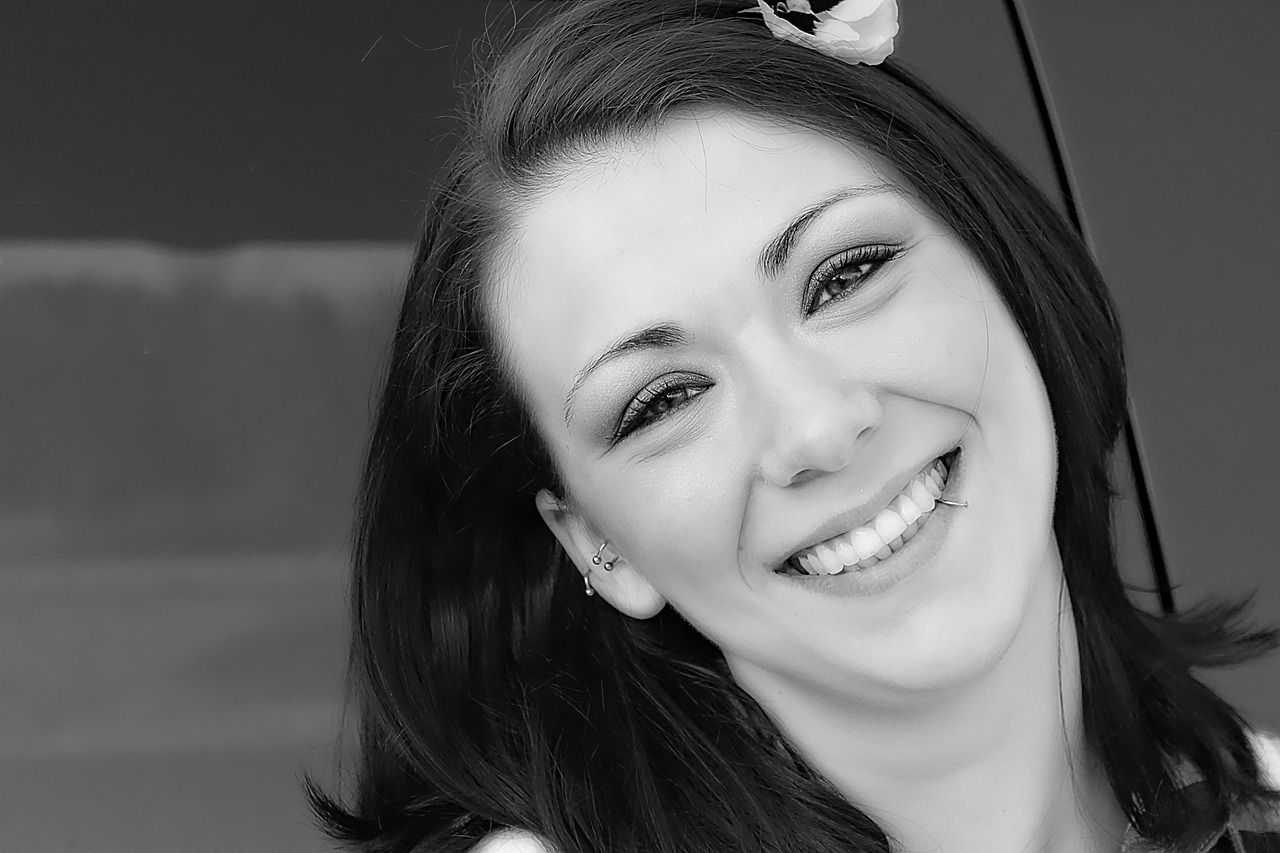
857	516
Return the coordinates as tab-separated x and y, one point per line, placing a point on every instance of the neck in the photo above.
998	766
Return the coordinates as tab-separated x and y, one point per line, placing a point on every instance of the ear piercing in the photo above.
598	560
608	567
946	502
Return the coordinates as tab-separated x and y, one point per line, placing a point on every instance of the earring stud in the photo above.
608	566
586	581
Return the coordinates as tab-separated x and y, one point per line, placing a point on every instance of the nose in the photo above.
816	411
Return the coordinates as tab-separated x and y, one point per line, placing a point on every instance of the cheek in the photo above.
933	345
1009	546
954	344
1015	417
1002	558
678	520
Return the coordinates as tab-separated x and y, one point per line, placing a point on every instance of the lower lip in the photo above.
920	550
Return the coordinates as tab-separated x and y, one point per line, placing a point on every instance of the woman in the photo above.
740	480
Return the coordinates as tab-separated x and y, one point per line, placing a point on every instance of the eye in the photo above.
658	400
845	273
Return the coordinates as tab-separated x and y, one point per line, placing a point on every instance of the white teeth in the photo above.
905	507
934	487
920	494
889	531
845	551
832	564
866	542
889	525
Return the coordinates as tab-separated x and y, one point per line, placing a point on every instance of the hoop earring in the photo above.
608	567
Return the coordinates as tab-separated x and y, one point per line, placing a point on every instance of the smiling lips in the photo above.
892	528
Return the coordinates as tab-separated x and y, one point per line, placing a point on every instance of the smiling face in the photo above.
742	343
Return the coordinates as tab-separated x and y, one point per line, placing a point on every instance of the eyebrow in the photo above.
661	336
772	259
775	255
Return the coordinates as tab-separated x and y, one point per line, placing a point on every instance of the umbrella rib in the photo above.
1070	199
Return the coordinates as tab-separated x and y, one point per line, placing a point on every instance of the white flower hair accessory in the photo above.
853	31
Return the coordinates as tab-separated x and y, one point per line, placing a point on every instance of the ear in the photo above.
625	588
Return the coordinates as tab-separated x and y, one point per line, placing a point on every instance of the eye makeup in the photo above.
870	234
658	399
844	274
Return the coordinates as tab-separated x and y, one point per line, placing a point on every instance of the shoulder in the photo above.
1257	827
512	841
1266	747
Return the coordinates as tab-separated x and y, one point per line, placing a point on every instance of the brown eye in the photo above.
846	273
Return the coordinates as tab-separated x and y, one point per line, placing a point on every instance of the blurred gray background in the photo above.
205	217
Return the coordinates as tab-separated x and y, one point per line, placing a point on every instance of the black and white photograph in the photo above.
639	426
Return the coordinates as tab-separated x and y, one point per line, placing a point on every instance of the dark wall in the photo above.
1172	136
202	124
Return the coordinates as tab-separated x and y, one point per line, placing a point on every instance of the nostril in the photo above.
805	476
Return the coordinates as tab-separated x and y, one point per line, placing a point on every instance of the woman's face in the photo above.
744	344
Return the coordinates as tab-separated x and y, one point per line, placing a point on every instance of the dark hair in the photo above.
491	692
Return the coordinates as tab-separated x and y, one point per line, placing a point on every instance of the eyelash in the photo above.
634	418
828	272
638	414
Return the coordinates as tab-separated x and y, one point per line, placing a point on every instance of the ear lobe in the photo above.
626	589
629	592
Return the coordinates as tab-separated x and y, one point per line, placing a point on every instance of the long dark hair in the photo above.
491	692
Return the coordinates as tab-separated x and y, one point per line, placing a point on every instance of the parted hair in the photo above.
490	692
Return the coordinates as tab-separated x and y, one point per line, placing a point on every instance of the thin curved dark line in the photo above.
1066	186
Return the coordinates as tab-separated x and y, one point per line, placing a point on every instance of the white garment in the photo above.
1265	746
512	841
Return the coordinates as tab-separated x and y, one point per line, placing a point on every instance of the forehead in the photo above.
650	229
717	173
